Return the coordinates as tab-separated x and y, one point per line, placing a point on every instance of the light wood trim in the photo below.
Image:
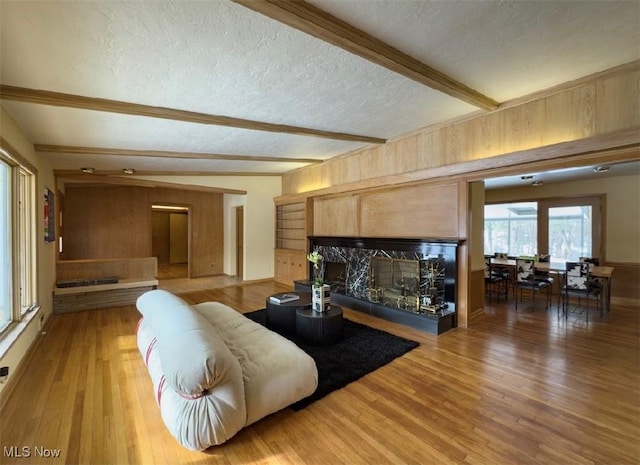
44	97
608	148
127	269
67	173
580	121
130	181
569	85
69	149
318	23
7	150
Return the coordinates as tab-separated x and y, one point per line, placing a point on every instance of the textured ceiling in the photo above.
221	58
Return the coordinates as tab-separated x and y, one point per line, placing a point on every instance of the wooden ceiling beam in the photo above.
44	97
322	25
120	174
96	179
75	150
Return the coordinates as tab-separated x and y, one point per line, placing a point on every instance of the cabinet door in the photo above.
281	266
298	266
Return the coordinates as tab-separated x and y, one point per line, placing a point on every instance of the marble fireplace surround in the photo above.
346	266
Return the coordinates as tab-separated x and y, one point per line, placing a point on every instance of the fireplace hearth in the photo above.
409	281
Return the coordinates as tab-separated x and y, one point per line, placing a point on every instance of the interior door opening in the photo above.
170	240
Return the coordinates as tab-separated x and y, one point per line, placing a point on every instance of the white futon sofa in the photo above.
215	371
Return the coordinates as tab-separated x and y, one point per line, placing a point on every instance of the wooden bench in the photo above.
134	277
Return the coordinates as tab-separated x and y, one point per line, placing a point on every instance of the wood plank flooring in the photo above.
518	388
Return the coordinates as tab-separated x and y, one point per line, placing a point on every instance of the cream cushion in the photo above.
197	381
276	372
214	370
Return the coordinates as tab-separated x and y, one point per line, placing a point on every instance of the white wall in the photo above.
259	218
15	345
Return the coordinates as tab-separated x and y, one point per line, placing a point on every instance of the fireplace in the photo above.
410	281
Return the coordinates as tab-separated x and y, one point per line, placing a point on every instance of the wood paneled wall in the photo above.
115	222
337	216
404	212
417	211
595	116
601	104
624	283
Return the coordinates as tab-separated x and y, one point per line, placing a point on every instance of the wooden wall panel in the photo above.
418	211
624	283
485	136
430	153
115	222
345	169
336	216
617	103
476	299
602	104
143	268
407	154
570	115
107	222
523	127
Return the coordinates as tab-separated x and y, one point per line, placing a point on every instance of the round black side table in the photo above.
320	328
281	318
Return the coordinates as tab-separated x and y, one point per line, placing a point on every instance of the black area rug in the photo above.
362	350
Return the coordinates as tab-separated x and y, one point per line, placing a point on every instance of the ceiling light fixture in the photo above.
601	169
128	170
87	170
537	183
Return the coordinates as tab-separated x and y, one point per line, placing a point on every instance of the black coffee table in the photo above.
320	328
282	317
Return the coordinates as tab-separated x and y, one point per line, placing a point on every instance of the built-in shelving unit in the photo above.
291	241
291	230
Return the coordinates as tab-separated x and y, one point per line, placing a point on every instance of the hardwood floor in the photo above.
518	388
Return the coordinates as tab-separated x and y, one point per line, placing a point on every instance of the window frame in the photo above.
597	203
22	231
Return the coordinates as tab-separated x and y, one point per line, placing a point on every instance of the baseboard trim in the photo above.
624	302
19	370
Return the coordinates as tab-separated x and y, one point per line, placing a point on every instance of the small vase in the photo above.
321	297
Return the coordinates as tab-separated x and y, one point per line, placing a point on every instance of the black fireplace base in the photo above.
434	324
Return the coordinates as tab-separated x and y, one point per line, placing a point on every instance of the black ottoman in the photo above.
320	328
281	318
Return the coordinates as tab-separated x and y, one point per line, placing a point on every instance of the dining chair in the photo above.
504	271
526	280
578	285
544	275
494	281
594	282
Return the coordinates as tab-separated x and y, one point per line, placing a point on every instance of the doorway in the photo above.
170	240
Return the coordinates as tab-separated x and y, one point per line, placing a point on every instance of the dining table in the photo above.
604	273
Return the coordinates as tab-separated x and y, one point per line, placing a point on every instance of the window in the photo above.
570	234
511	228
6	301
18	288
566	228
